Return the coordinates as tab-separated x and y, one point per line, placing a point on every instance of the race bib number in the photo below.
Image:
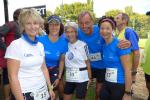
95	57
111	75
41	94
72	74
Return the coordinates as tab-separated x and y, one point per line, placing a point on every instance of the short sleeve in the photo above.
132	36
13	51
65	48
122	52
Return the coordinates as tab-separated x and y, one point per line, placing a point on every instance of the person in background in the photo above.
8	32
27	71
124	32
55	48
78	70
89	33
145	63
117	85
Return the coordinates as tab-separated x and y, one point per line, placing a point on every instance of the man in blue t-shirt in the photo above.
124	32
89	33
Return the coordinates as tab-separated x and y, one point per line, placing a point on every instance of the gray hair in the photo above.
73	25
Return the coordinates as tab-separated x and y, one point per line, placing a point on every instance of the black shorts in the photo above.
147	78
112	91
81	89
53	74
99	74
5	76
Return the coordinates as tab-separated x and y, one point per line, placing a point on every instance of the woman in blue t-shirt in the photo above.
117	84
55	48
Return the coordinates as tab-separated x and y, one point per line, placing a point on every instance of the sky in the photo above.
100	6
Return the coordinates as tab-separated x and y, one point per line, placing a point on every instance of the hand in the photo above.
55	84
126	97
89	82
124	44
52	95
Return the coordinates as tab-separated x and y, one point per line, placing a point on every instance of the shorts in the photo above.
81	89
99	74
5	76
147	78
112	91
53	74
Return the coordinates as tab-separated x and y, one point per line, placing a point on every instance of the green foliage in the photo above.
71	11
139	22
113	13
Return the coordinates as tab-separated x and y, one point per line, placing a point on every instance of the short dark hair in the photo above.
16	14
125	17
107	19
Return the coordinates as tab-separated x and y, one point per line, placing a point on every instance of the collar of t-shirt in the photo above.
26	38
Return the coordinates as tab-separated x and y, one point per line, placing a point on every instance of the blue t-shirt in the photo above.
94	42
111	58
132	36
53	50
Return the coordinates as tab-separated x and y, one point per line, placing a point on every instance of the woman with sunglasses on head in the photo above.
117	84
55	48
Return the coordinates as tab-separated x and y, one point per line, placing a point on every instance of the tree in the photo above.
71	11
113	12
139	22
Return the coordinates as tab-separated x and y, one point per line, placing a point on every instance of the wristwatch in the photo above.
129	93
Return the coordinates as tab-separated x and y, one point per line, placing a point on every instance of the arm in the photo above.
126	62
13	68
89	69
61	66
46	74
136	59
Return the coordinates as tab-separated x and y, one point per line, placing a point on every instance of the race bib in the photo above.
72	74
111	75
95	57
41	94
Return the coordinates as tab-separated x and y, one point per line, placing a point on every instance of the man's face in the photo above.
86	24
119	20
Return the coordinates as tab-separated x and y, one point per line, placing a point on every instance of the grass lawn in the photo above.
142	43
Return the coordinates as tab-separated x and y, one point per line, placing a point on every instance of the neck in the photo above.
72	42
32	38
53	37
109	40
120	28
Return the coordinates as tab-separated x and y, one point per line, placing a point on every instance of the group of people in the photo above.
36	64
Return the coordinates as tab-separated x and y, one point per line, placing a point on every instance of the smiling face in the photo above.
71	34
119	20
54	28
86	24
31	27
106	30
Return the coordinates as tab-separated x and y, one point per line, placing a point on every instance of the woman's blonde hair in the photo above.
29	13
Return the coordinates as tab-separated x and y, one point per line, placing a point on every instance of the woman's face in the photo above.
31	27
71	34
106	30
54	28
